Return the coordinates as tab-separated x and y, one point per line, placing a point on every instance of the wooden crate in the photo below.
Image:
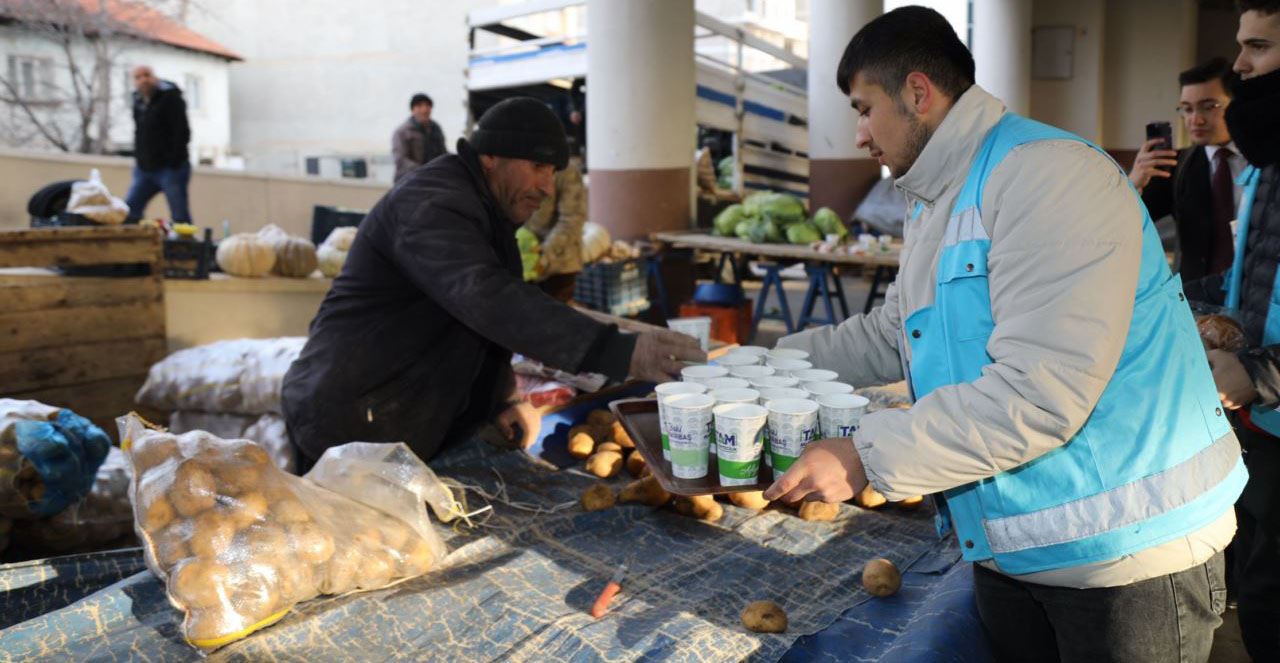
84	343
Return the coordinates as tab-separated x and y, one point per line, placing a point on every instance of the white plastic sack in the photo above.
242	376
92	200
268	430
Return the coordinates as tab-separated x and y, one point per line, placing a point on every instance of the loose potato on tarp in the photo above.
764	617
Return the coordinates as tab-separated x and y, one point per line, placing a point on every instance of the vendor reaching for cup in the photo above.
1065	417
413	342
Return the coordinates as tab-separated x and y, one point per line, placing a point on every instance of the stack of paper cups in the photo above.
785	366
738	441
750	372
774	382
823	388
733	395
671	389
815	375
726	383
793	424
787	353
839	414
702	373
737	359
698	327
688	423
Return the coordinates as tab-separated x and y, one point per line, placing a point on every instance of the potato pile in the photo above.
238	542
606	447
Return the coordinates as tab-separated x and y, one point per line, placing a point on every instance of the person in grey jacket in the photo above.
1065	419
417	140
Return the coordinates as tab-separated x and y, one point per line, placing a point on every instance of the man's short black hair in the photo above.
904	40
1266	7
1216	69
420	98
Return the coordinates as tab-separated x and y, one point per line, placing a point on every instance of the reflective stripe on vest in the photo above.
1155	460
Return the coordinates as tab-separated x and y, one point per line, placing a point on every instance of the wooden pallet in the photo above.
84	343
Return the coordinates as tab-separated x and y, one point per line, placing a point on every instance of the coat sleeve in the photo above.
1066	231
1158	197
1263	366
862	349
177	129
445	251
402	151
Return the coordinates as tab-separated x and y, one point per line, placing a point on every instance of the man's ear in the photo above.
920	95
488	162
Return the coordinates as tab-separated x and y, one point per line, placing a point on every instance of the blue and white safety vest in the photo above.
1156	459
1265	418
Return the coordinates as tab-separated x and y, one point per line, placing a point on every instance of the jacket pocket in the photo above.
964	294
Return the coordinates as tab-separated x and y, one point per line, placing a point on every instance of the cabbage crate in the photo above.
617	288
80	342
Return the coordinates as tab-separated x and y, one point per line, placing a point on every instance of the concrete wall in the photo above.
248	200
334	77
210	122
1074	104
1148	42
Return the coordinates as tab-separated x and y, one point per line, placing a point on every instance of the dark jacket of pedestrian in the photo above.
161	132
1205	248
413	342
413	145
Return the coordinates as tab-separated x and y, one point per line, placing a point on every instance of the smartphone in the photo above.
1162	131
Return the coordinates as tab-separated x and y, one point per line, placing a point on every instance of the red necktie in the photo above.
1223	190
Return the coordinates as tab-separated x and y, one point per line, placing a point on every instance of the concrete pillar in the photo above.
1002	50
839	173
641	129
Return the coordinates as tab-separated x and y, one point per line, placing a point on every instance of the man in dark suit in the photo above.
1200	191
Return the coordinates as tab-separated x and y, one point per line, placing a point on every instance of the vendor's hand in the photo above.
659	355
1235	387
520	424
828	470
1150	162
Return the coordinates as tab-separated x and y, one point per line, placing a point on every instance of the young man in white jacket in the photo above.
1065	418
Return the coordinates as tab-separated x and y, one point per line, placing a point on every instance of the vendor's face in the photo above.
1259	39
422	113
144	80
886	128
520	185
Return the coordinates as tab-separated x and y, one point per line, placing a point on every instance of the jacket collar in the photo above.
946	158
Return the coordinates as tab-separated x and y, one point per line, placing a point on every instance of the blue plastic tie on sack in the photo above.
66	453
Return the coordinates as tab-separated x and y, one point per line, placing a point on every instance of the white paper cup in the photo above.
793	424
702	373
779	393
688	423
823	388
751	372
839	414
739	442
699	328
774	382
785	365
723	396
736	359
671	389
726	383
815	375
787	353
754	350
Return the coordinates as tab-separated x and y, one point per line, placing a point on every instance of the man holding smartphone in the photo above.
1196	185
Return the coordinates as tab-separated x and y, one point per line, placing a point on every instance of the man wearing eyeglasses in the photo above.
1200	191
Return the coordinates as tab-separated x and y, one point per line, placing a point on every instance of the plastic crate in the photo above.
617	288
324	218
189	258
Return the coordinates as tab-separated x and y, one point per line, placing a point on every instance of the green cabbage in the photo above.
784	209
829	223
728	219
530	252
758	231
803	233
724	173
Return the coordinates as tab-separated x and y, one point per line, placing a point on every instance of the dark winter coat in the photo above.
1187	196
413	145
413	342
161	132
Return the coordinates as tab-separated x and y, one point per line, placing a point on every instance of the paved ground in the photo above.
1227	645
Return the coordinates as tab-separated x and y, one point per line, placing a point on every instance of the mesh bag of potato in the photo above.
239	542
103	516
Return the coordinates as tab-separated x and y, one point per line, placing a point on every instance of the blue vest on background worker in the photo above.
1265	418
1156	459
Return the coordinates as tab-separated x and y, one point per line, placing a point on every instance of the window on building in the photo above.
30	77
192	91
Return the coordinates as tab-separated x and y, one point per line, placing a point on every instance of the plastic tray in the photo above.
639	416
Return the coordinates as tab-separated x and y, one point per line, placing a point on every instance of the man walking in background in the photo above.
419	139
160	138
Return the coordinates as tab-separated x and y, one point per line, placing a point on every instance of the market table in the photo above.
818	265
519	584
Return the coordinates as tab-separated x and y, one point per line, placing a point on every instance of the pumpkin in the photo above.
333	252
295	257
246	254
